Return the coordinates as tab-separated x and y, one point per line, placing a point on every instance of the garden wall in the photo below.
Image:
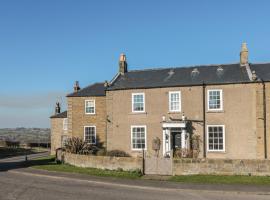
221	167
103	162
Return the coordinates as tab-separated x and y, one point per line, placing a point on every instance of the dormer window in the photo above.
90	107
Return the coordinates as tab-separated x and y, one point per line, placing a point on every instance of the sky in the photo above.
45	46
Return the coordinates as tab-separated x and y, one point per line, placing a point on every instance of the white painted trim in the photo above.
180	101
132	101
221	100
95	134
85	105
145	129
174	125
223	126
164	132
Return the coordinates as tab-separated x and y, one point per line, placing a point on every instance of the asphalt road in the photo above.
29	184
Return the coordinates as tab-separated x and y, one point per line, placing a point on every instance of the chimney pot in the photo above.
122	57
57	108
76	86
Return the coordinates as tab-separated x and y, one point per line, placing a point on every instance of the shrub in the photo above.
195	141
183	153
36	144
13	144
78	146
101	152
117	153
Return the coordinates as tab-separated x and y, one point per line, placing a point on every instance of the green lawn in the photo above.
50	165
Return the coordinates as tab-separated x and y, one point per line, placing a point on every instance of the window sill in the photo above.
174	112
138	150
215	111
90	114
137	113
216	151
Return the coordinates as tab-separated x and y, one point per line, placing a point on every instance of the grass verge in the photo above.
217	179
50	165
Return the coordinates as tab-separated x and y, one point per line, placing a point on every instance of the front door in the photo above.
176	139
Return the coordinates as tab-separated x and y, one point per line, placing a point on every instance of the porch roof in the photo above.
174	124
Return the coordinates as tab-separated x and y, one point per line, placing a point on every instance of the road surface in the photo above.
29	184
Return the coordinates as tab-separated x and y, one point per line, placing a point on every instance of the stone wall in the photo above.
104	162
221	167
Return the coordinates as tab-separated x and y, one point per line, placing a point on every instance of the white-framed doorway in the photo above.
174	136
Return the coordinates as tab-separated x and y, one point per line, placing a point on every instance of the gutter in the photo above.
204	131
264	120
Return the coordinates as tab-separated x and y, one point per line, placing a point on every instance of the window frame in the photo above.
170	100
85	106
140	111
131	137
221	100
95	134
223	135
65	124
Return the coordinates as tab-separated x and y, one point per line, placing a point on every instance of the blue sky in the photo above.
46	45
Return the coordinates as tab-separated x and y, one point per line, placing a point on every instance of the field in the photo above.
26	135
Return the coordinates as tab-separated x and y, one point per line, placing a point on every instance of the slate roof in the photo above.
96	89
188	76
262	71
60	115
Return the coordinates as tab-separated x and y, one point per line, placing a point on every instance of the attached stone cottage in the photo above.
225	105
85	117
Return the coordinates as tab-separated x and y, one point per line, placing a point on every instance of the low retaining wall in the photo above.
221	167
103	162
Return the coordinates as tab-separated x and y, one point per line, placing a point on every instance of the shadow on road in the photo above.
6	152
5	166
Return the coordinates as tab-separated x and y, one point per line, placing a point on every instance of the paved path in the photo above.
26	183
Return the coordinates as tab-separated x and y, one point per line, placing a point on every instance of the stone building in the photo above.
59	128
226	106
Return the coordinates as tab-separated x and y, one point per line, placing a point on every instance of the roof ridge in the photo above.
86	87
259	63
183	67
92	85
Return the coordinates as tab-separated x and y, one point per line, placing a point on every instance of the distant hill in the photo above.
26	135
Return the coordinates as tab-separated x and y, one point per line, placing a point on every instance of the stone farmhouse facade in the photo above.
225	105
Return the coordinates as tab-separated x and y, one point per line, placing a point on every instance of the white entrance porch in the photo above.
174	136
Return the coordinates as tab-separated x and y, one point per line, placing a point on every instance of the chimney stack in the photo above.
244	55
76	86
57	108
122	64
